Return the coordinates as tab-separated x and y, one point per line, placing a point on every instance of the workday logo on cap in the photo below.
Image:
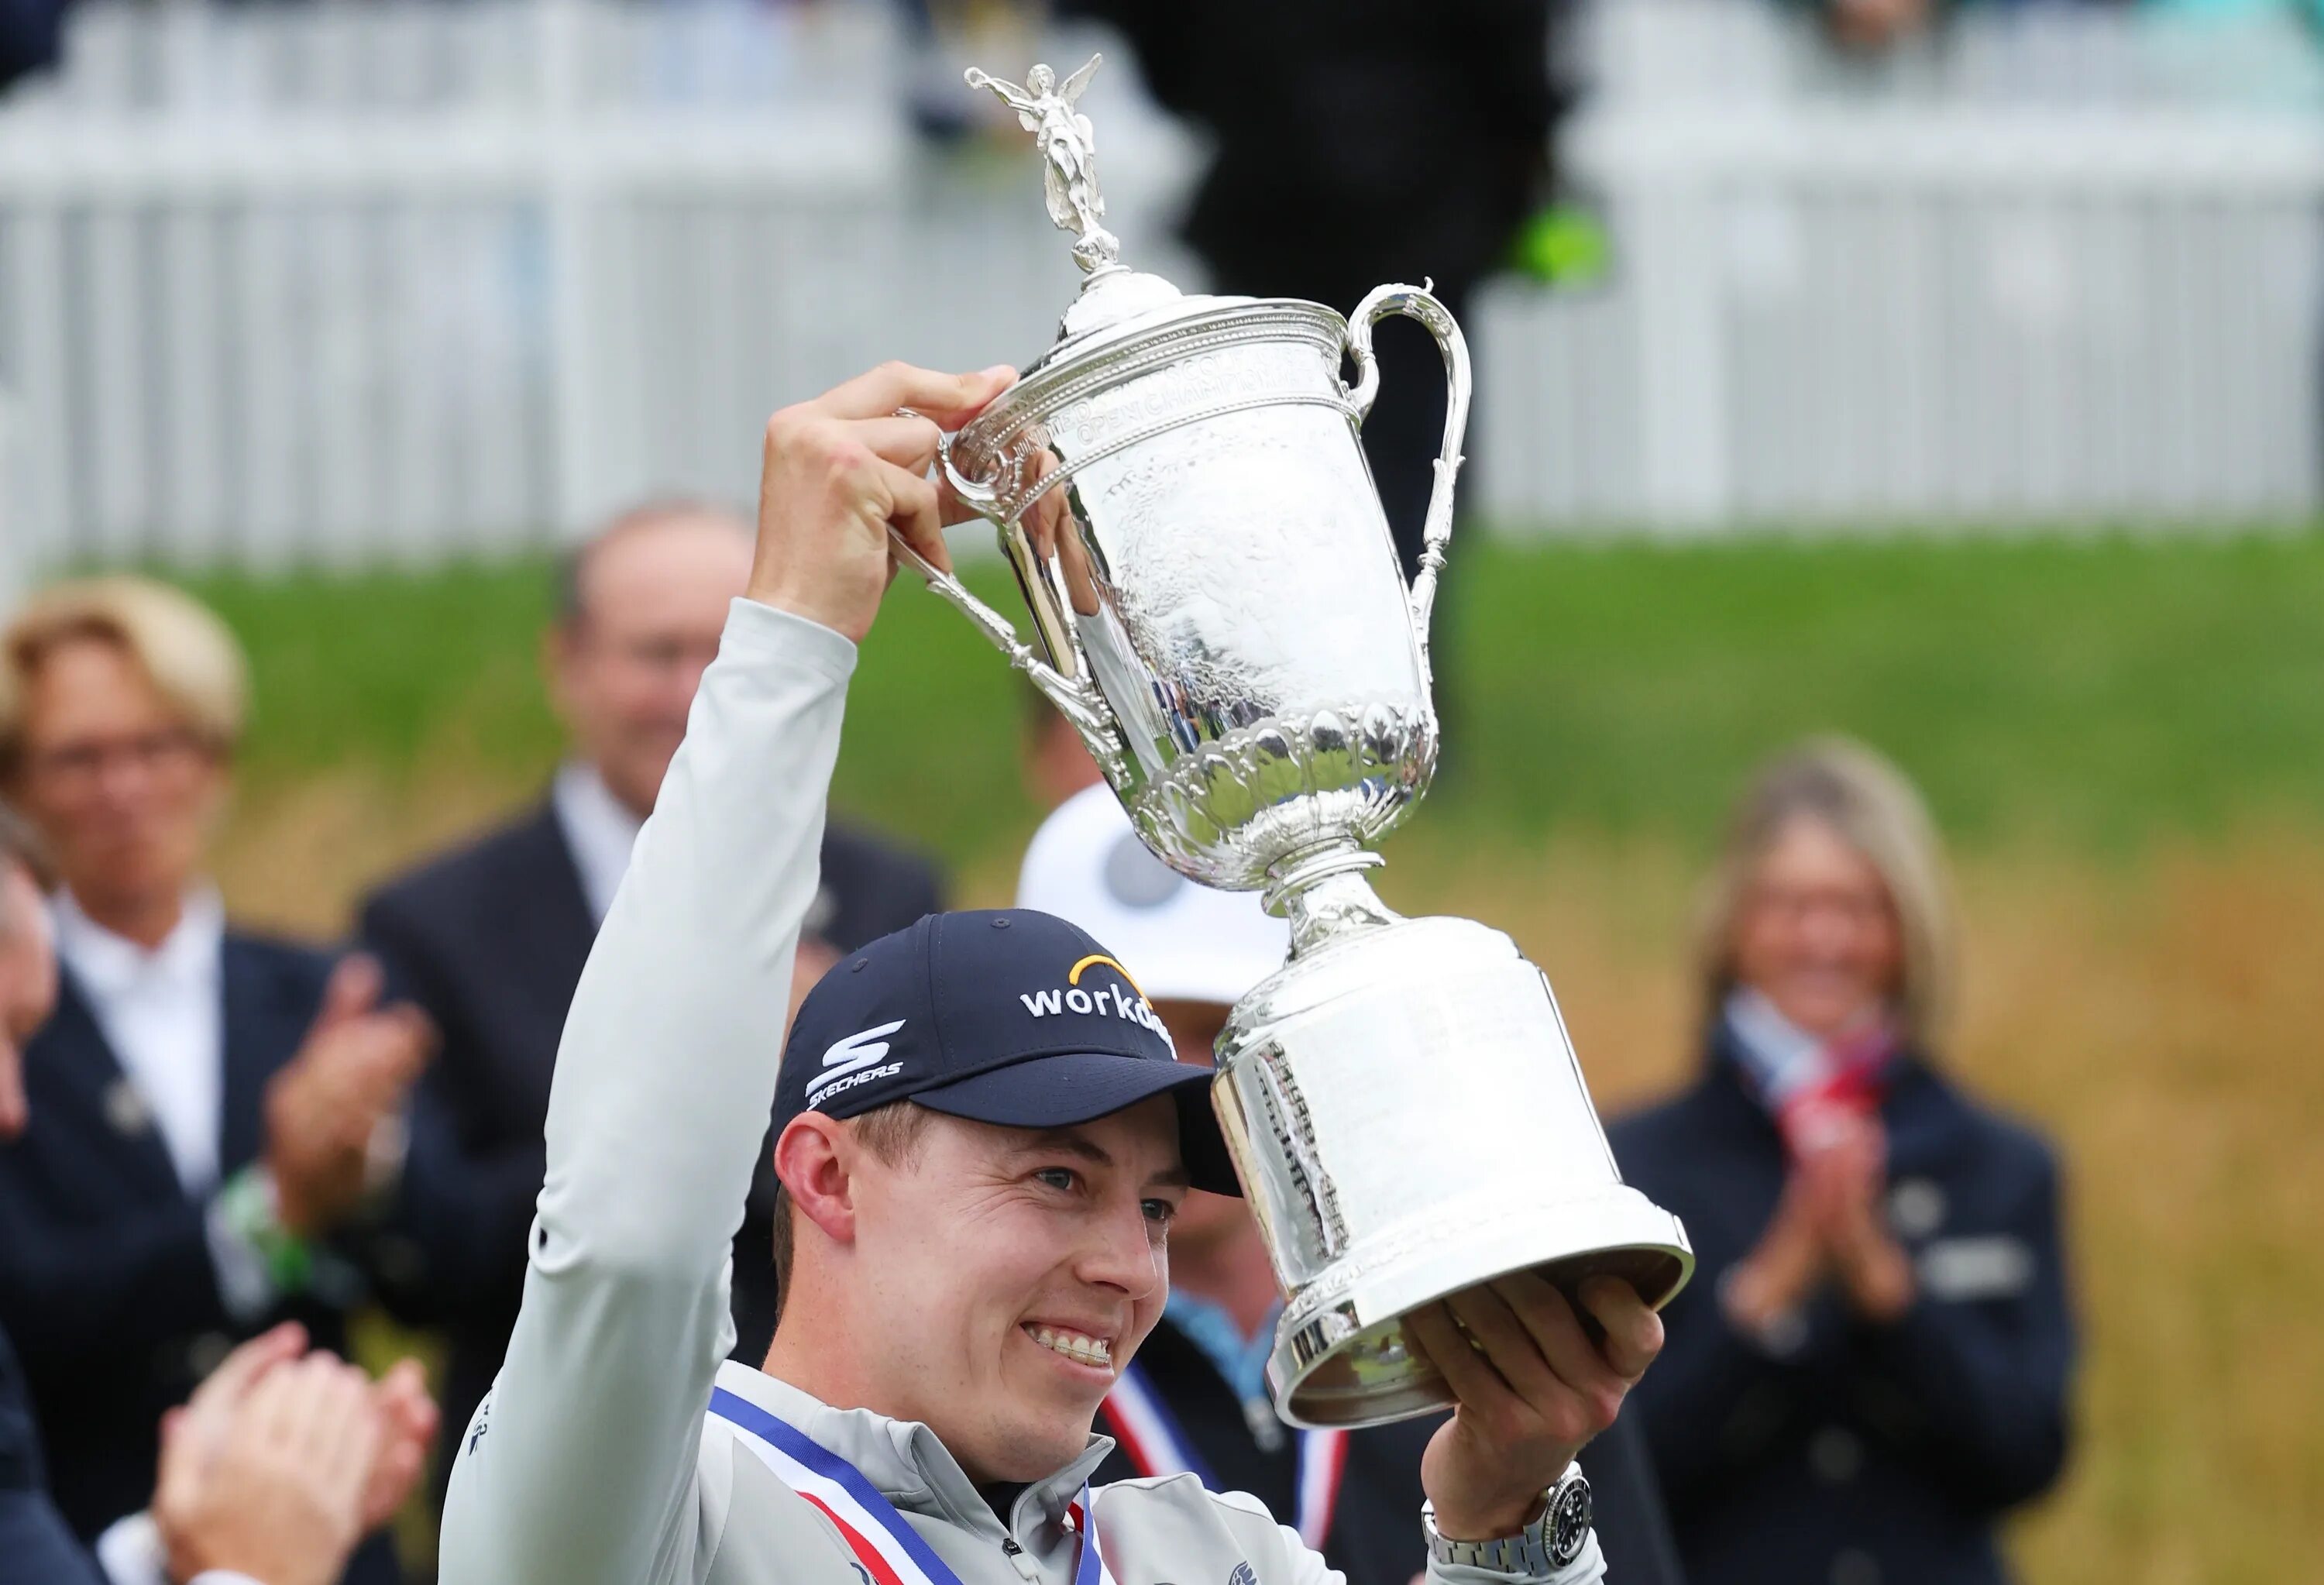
1100	998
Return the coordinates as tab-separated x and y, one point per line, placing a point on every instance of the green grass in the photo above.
2098	692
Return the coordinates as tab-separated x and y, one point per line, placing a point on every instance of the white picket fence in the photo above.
337	283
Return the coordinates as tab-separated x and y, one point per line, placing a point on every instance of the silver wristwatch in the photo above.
1542	1548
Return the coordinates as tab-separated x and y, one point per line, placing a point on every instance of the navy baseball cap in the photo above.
1012	1017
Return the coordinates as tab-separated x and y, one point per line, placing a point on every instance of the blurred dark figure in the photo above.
1359	143
1871	1364
31	35
241	1489
1055	762
1866	27
35	1542
491	939
212	1116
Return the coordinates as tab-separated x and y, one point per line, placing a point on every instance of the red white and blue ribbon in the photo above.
1322	1460
1149	1433
1152	1438
884	1543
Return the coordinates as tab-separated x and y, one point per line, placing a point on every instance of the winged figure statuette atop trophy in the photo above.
1179	484
1069	147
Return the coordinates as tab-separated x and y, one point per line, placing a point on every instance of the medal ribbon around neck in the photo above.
1156	1444
884	1543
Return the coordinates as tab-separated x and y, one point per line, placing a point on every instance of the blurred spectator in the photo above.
2309	12
1055	762
1359	144
1869	26
36	1544
206	1107
230	1507
28	960
1195	1397
32	33
491	939
1871	1363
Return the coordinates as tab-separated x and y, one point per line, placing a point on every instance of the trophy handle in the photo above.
1416	302
979	493
1076	700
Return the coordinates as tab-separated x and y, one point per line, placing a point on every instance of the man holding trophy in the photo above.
981	1129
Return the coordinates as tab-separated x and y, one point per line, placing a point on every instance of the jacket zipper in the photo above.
1016	1555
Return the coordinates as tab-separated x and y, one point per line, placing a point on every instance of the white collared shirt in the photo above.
164	1013
599	828
131	1552
601	834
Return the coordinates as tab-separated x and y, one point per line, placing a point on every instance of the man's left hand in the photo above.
1533	1388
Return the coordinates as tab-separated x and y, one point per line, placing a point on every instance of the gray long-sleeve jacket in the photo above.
593	1460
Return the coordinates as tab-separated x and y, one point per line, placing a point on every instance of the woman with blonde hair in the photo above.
212	1116
1872	1362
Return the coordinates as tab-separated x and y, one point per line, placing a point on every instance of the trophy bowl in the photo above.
1180	487
1220	583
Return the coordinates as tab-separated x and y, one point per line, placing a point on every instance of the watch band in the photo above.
1550	1543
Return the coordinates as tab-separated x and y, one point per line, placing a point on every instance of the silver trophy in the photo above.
1218	608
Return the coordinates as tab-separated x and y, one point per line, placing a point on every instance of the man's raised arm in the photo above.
579	1467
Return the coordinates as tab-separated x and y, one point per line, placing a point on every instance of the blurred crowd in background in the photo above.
221	1145
218	1135
31	29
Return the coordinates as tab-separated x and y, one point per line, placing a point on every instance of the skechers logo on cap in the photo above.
1100	1000
849	1063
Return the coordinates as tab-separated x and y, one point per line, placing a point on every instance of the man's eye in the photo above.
1061	1178
1160	1211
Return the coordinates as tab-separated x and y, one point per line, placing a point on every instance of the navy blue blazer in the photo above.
30	33
106	1283
491	940
1870	1453
36	1545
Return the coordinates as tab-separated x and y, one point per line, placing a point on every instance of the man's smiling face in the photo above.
1019	1271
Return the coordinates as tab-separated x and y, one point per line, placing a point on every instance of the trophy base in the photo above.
1348	1364
1408	1119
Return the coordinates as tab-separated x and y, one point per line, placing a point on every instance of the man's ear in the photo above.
560	643
814	1158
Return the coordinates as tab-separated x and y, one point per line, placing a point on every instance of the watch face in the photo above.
1569	1524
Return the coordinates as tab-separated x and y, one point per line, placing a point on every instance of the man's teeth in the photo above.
1073	1345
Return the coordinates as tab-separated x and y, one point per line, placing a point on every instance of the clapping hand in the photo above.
1829	1226
282	1461
407	1420
1843	1183
327	1105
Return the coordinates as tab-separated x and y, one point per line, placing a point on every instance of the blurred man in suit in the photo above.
491	939
211	1113
35	1542
1353	148
31	36
1054	762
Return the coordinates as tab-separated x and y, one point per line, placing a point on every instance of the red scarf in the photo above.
1811	1088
